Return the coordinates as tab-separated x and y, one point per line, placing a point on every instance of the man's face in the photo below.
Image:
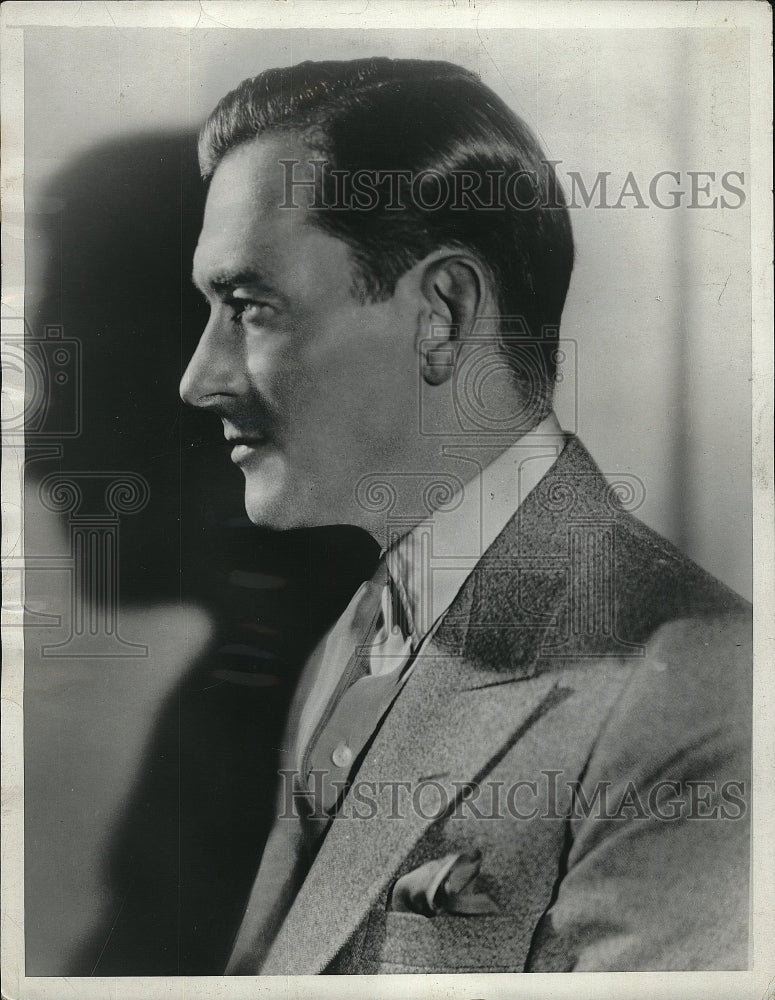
315	389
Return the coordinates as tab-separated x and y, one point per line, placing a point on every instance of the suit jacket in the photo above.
593	685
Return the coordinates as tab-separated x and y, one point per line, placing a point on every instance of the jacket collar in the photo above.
518	596
431	562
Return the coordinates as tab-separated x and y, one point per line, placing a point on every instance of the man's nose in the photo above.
215	371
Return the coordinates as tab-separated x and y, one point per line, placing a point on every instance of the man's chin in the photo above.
269	501
275	511
284	512
270	516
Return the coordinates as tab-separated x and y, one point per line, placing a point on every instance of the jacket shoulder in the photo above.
655	583
648	579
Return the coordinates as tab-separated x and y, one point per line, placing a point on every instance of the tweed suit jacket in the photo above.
590	688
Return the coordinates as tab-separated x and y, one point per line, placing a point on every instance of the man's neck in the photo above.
432	558
439	476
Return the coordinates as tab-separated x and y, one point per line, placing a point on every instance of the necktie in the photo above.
366	690
332	662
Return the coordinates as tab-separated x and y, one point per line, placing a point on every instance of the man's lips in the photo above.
243	447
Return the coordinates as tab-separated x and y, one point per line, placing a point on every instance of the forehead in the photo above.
245	223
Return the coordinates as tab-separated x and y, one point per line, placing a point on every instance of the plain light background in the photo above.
659	311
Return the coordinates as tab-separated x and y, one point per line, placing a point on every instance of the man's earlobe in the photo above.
439	355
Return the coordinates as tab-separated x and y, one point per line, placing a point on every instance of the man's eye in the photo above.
246	311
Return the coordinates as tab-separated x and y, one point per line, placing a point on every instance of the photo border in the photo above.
544	14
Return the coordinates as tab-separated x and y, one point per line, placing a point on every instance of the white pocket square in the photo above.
444	885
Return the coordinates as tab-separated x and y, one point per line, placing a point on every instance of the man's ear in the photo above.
453	289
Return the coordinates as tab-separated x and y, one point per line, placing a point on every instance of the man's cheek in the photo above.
277	376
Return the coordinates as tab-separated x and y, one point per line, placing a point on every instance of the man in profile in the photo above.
524	745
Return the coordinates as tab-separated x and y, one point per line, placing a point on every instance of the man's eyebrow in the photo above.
226	281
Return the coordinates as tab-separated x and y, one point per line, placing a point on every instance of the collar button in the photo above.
342	755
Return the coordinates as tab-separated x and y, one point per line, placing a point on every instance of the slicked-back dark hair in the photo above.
389	115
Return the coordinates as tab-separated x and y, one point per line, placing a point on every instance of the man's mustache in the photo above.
246	423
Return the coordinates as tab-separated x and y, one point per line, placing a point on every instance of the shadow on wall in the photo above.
115	258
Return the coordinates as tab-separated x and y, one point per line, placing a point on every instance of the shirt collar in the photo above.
428	565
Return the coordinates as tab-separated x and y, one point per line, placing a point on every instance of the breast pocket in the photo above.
413	943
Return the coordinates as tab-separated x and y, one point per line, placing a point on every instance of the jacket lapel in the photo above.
475	689
463	731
